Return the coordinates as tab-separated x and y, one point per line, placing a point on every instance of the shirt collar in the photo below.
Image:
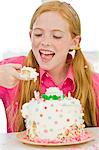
42	72
69	74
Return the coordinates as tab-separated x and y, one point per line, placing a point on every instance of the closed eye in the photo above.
57	37
38	35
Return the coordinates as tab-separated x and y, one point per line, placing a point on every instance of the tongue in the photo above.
46	57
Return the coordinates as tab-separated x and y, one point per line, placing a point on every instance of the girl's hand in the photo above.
9	75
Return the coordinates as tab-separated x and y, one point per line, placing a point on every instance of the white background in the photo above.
15	16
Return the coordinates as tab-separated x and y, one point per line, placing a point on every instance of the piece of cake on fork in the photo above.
28	73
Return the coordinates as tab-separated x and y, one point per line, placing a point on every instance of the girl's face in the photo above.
51	40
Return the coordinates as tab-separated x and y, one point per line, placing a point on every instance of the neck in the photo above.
59	74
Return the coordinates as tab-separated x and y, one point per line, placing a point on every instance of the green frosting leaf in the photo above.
52	97
46	97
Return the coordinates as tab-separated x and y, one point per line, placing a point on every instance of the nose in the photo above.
46	40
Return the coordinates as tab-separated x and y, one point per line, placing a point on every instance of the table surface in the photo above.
10	142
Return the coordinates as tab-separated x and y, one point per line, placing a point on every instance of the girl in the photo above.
54	33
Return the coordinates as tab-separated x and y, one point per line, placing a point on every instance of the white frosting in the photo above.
32	74
54	91
52	116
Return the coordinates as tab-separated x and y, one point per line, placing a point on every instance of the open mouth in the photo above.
46	55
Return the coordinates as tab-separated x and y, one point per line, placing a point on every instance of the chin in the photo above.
45	67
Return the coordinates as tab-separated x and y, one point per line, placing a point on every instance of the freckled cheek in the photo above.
35	43
56	44
60	46
63	46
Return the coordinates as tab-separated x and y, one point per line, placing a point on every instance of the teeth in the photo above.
46	52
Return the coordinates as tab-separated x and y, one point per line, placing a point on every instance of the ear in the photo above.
75	42
30	33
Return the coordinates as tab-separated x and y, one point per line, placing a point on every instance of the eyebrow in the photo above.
37	29
54	30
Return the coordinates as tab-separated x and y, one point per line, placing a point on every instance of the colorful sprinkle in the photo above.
49	117
52	105
41	115
67	119
45	107
60	115
36	109
46	131
56	122
51	130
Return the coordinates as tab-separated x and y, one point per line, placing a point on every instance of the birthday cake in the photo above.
53	117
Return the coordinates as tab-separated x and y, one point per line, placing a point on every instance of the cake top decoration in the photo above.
53	93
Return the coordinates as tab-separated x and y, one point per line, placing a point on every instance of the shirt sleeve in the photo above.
17	60
2	91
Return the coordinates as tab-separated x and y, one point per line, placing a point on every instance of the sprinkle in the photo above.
49	117
36	109
67	119
56	110
46	131
52	105
45	107
51	129
41	115
56	122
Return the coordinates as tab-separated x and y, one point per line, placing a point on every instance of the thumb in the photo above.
16	66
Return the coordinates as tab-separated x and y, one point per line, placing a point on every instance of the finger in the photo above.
24	78
13	85
16	66
16	74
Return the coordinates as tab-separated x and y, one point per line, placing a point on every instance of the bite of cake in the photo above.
28	73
